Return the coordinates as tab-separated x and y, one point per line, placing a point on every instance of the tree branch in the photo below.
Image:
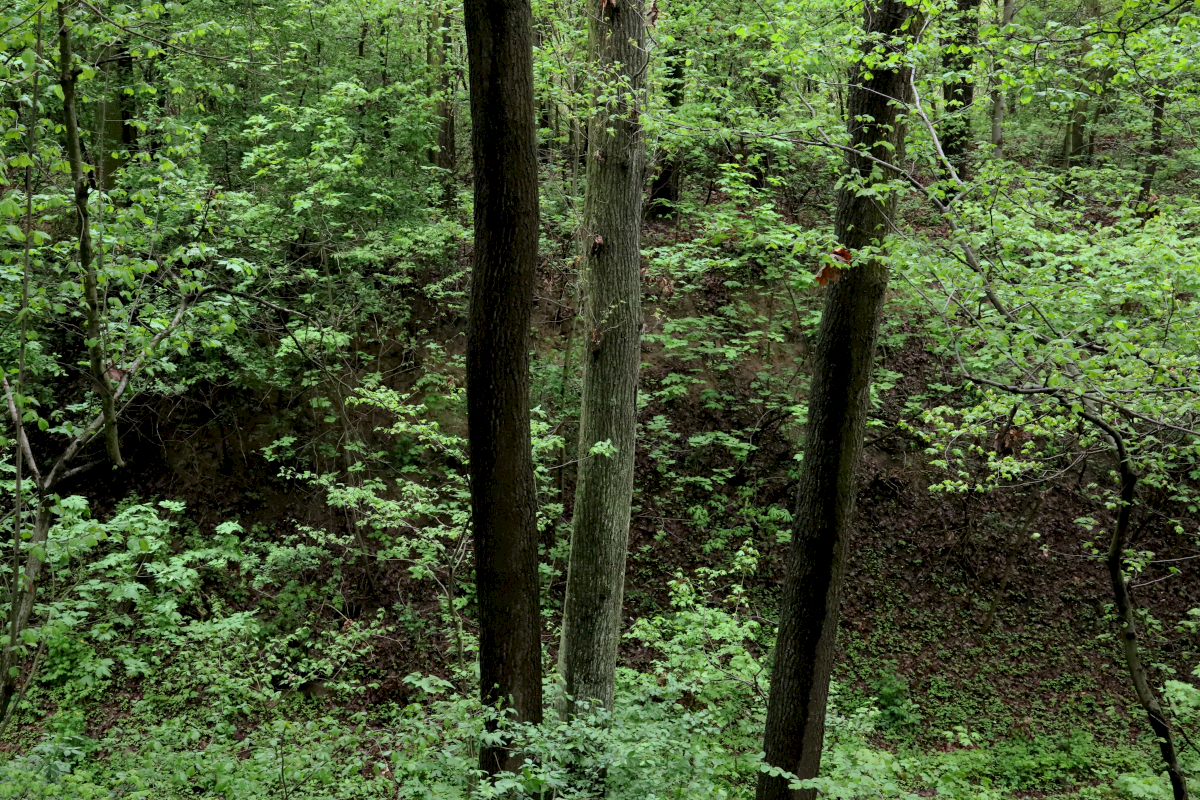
21	437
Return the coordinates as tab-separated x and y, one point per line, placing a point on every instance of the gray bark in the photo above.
611	356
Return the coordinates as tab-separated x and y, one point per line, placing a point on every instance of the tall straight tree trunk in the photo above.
1075	141
999	102
842	362
503	498
612	322
959	90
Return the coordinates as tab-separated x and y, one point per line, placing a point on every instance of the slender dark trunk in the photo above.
612	322
999	101
444	154
959	89
1154	155
503	497
842	362
1127	615
83	225
664	191
1075	139
9	655
21	608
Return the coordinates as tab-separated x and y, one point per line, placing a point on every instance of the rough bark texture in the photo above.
612	322
999	103
842	363
959	91
1127	617
503	138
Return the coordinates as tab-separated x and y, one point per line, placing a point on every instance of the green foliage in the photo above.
896	707
272	240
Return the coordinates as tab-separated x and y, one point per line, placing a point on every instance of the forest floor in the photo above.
925	569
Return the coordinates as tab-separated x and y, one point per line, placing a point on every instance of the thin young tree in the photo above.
444	155
612	322
503	501
664	190
1157	145
45	471
842	362
999	101
958	89
68	76
1127	614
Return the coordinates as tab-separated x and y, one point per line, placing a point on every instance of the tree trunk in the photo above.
959	90
1127	616
118	136
664	191
24	593
444	155
503	496
1075	140
91	294
612	322
1156	145
838	401
999	102
8	675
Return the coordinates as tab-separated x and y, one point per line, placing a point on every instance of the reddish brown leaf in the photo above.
831	272
828	273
